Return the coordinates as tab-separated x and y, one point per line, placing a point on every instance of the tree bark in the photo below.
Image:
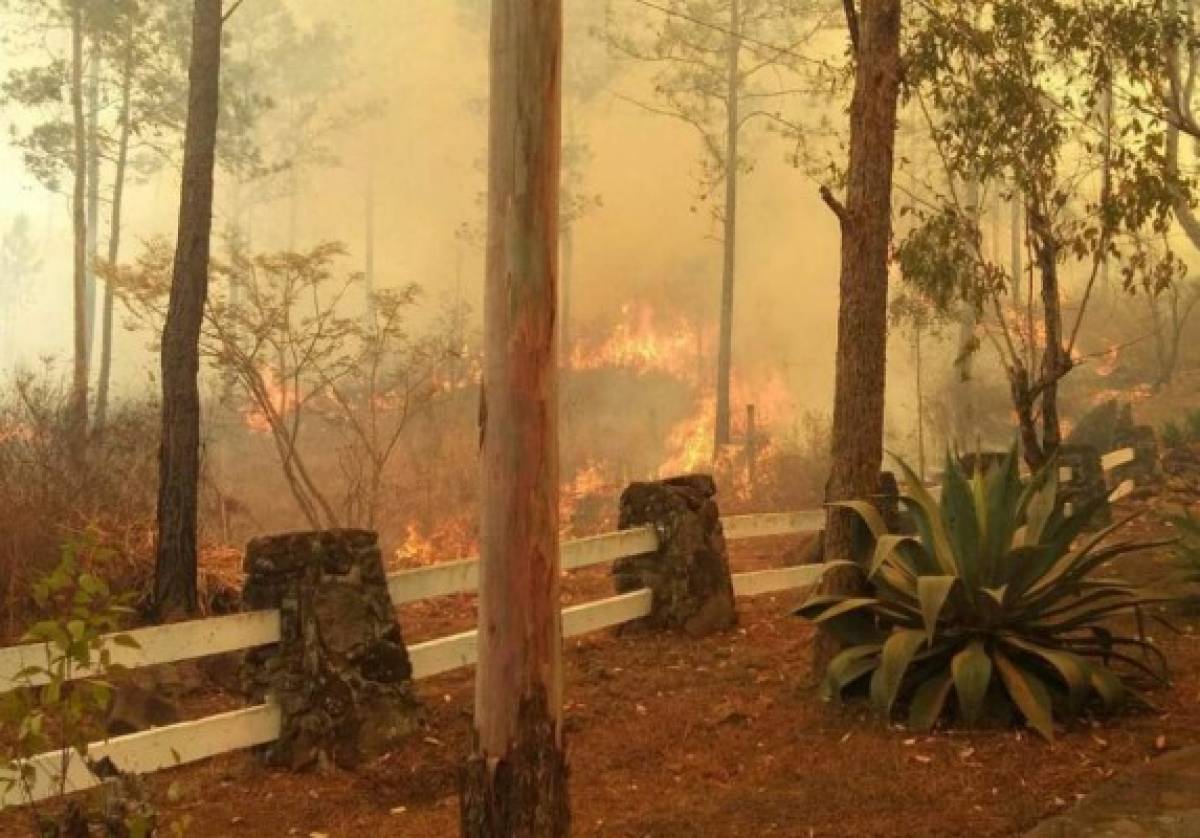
564	316
93	202
79	385
179	465
114	234
1016	244
369	271
966	414
515	782
729	265
1054	359
866	226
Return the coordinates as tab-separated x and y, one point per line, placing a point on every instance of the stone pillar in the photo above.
341	674
689	574
1087	479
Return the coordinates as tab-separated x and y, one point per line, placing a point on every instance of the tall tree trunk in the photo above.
179	465
515	783
866	225
369	272
114	233
93	201
1054	360
917	334
729	265
564	316
1015	256
967	412
567	258
79	386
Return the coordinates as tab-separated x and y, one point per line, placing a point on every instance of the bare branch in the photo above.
839	209
237	5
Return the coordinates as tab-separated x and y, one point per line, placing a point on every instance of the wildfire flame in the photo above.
278	396
639	343
451	539
1106	365
1134	395
690	443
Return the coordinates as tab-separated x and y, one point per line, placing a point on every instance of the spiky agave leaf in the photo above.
990	599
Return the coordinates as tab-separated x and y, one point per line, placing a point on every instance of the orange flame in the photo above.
278	396
640	344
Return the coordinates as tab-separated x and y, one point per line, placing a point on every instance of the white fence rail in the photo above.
165	747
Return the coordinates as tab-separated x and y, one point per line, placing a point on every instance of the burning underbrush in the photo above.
636	405
53	491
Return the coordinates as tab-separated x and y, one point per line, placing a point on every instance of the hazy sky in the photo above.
649	241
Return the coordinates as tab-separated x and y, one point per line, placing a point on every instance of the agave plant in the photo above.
992	600
1187	551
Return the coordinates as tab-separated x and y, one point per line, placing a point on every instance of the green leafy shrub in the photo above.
1187	550
1173	436
990	602
60	704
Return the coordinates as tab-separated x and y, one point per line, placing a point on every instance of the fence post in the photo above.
1087	481
341	674
689	574
1144	469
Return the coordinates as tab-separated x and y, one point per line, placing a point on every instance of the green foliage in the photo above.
61	703
1187	551
1180	434
1173	436
1044	104
991	602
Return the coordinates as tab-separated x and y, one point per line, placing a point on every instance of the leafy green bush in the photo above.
1173	436
60	704
1183	433
1187	550
988	601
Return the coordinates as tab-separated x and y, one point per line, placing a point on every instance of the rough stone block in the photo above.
341	674
689	575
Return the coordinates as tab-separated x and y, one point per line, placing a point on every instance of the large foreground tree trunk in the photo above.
866	225
179	465
79	381
515	783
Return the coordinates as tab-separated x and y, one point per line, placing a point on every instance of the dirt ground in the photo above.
720	737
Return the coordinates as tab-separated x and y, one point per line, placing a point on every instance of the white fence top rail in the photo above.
167	747
773	523
159	644
1118	458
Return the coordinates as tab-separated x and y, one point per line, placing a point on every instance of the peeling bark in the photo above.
515	783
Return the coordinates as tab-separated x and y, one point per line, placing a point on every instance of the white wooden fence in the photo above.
165	747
